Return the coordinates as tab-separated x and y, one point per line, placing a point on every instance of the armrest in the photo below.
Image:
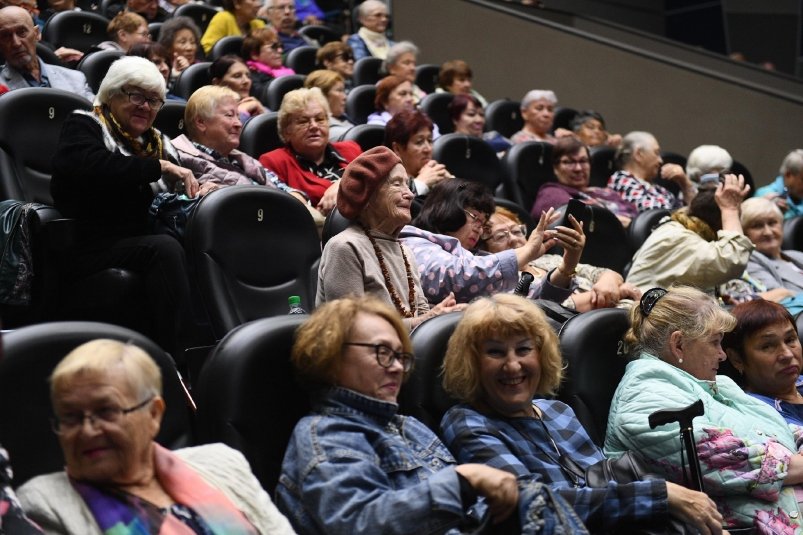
56	232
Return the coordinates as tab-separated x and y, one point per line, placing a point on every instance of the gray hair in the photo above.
363	8
632	142
130	70
755	207
793	163
707	159
398	50
538	94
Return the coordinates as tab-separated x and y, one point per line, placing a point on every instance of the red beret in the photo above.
361	179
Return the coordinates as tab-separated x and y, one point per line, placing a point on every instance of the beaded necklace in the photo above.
389	285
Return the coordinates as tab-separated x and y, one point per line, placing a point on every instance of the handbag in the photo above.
169	213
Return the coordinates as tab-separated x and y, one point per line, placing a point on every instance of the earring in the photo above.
680	360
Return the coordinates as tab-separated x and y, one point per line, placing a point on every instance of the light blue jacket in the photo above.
777	187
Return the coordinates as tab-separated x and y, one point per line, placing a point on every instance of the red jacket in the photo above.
283	162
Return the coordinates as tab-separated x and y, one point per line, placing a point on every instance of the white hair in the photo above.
398	50
632	142
130	70
707	159
756	207
538	94
362	9
793	163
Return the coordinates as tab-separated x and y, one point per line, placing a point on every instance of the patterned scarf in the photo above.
118	513
694	224
149	145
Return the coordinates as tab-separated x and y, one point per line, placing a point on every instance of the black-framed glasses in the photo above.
275	46
650	298
345	56
385	355
567	162
138	99
519	231
67	423
474	219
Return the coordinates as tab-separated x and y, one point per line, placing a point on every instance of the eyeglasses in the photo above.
378	16
518	231
571	163
106	416
143	33
275	46
138	99
649	300
483	224
345	56
386	355
305	122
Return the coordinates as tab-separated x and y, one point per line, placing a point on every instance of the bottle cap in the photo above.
294	300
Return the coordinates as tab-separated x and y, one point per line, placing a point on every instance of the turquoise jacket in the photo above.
744	445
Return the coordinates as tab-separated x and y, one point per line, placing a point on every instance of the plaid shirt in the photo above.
523	447
641	193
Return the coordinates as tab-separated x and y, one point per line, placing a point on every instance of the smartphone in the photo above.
581	212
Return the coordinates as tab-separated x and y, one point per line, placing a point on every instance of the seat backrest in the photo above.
96	64
360	103
739	168
504	116
468	157
527	167
591	345
200	13
302	59
26	153
239	284
426	77
75	29
260	134
334	224
367	136
423	396
436	106
320	34
642	226
46	54
366	71
793	233
563	118
170	119
30	354
191	78
155	28
231	44
247	396
602	166
279	87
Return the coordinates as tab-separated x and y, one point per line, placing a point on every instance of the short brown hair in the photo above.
500	315
323	79
254	41
330	51
457	68
384	87
127	21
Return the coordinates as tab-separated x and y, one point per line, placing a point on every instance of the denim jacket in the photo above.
356	466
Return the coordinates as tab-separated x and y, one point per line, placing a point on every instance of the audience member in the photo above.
444	239
639	158
156	54
262	51
370	40
456	77
338	57
787	188
333	88
702	245
24	68
409	135
117	477
468	118
125	30
394	94
367	257
282	17
502	356
180	37
589	126
308	161
538	112
401	61
238	17
571	161
748	456
232	72
707	160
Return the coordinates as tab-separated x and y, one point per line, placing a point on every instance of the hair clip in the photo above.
650	298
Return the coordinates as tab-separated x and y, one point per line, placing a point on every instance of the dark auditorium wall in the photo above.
682	107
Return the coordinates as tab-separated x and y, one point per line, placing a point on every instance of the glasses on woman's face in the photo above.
276	46
385	355
138	99
500	236
479	221
103	417
570	162
345	56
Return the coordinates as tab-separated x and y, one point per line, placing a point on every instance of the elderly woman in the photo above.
401	61
639	158
571	161
596	287
393	94
370	40
444	241
232	72
238	17
117	478
589	127
367	257
108	165
538	112
308	162
125	30
702	246
468	117
333	88
787	189
502	355
180	37
748	456
456	77
354	465
707	160
765	349
262	51
337	57
409	135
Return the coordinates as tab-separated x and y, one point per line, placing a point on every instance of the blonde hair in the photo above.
755	207
494	317
101	355
296	101
319	341
323	79
203	103
126	21
684	308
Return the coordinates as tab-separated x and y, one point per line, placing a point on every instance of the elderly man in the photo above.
371	40
282	16
787	189
18	38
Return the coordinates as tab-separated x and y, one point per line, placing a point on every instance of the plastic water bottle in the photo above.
295	305
523	287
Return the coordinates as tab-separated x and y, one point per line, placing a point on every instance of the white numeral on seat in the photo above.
51	112
260	215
